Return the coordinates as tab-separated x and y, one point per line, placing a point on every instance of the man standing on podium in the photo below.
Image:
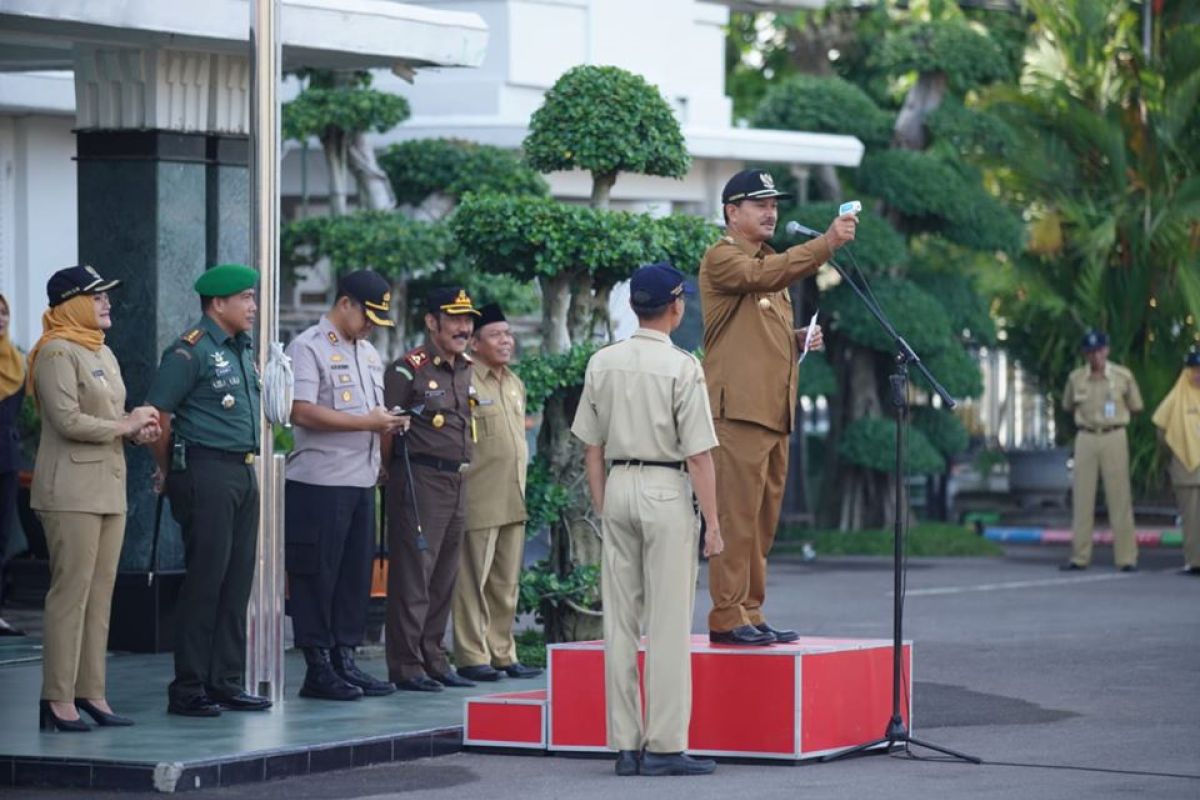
750	360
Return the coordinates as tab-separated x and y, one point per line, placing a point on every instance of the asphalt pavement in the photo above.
1067	685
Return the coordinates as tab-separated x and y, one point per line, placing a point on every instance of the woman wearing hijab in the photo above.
1178	420
79	491
12	392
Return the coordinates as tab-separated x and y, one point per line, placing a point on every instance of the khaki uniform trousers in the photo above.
751	466
84	551
1104	456
485	596
1188	498
648	577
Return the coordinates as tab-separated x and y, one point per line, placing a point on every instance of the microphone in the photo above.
794	228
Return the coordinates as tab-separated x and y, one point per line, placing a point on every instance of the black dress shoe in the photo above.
1071	566
657	764
627	762
348	671
1190	571
103	718
519	670
479	672
450	679
200	705
1128	568
49	721
743	635
421	683
782	637
241	701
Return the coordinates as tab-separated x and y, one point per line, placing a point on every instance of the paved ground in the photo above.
1068	685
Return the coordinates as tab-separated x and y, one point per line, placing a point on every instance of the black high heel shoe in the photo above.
49	721
103	718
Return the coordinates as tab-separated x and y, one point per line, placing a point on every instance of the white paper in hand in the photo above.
808	336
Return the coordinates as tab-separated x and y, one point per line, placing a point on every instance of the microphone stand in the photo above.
896	732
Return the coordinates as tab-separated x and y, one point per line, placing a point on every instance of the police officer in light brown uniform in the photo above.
489	575
1103	396
426	516
644	409
750	359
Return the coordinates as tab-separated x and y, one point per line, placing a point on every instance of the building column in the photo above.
163	195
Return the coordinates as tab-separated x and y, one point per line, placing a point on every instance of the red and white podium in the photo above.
788	701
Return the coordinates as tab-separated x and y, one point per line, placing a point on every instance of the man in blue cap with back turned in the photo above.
207	393
645	410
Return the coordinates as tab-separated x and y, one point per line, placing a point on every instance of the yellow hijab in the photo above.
12	363
1179	417
76	321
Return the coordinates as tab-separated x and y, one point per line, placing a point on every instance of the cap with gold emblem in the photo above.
71	281
750	184
452	300
371	290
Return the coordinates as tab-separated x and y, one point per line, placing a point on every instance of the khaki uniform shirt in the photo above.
496	480
750	348
422	377
345	376
1104	402
80	460
645	399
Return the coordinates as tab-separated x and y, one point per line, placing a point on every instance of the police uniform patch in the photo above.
193	336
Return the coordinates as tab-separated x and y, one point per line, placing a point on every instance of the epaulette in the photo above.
192	336
417	358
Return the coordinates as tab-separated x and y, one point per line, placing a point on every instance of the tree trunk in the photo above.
583	307
829	188
602	185
337	158
556	307
909	131
374	187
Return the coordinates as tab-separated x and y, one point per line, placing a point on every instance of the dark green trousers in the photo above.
216	503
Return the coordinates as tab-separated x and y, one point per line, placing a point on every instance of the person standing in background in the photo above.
1102	396
489	573
1178	420
12	394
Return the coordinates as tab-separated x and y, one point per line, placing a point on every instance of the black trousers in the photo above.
216	503
329	538
8	507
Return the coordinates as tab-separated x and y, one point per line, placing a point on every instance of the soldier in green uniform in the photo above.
1102	396
207	393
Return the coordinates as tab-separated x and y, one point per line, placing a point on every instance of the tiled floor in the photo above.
296	737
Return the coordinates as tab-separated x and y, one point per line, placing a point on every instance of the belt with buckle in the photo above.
634	462
212	453
1104	430
440	464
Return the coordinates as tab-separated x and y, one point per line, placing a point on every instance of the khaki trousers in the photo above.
1188	498
751	465
485	596
648	579
84	551
1104	456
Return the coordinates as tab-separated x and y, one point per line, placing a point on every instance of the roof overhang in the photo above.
342	34
734	144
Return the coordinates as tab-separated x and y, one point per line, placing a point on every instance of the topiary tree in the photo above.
925	206
339	108
605	120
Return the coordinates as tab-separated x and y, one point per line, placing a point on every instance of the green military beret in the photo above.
225	280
